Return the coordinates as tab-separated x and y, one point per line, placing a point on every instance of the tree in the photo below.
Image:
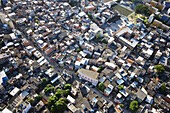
104	41
142	9
67	92
31	101
78	50
100	68
59	93
61	106
36	21
136	79
164	30
44	81
159	68
64	99
163	87
90	16
101	87
49	88
51	101
121	105
53	109
134	105
120	87
76	73
52	66
2	43
97	36
39	97
67	86
143	17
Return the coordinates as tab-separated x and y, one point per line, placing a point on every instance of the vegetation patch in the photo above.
123	11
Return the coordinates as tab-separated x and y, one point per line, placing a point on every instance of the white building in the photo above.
88	75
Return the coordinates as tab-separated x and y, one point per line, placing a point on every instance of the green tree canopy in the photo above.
163	87
64	99
67	86
78	50
142	9
97	35
101	87
39	97
49	88
104	41
52	100
100	68
60	93
120	87
121	105
134	105
53	109
159	68
61	106
44	81
31	101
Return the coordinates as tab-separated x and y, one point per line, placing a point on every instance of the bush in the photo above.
159	68
120	87
134	105
101	87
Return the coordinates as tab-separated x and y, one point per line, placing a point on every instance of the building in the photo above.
4	58
88	75
24	107
108	90
3	78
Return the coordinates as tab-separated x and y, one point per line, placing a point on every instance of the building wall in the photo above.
88	78
27	108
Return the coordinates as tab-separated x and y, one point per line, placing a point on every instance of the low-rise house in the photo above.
40	106
72	108
4	58
3	78
29	50
108	90
24	107
140	95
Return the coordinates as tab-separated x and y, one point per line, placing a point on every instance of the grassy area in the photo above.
122	10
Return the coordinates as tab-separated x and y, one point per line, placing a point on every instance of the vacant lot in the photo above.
123	11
